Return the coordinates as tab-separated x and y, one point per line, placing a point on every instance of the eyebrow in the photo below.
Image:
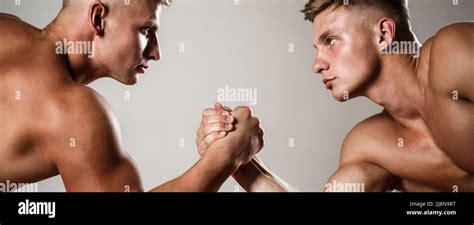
151	24
322	37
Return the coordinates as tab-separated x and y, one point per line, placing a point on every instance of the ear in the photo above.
386	28
97	13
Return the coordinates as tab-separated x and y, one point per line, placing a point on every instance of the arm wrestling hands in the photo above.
237	134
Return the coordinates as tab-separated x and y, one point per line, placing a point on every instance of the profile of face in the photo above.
129	39
347	51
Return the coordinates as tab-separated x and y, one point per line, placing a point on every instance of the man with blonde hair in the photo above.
52	124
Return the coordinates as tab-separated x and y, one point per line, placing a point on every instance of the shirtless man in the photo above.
51	123
423	140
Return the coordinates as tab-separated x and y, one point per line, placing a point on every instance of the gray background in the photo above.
243	46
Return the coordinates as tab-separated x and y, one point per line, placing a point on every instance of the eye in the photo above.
146	31
331	40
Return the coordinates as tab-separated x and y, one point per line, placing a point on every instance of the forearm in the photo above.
207	175
255	177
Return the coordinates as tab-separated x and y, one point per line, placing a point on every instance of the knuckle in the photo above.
206	129
225	119
206	111
214	129
222	126
257	121
244	111
207	141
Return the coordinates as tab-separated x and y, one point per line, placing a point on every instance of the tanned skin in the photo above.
52	124
423	140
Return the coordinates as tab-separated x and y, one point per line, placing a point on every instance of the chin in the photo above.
127	80
132	80
340	95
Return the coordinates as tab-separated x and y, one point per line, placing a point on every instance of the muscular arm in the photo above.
450	94
355	168
255	177
252	176
207	175
89	156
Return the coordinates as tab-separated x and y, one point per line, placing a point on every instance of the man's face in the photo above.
130	40
347	53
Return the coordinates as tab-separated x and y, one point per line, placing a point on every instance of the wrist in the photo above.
250	175
220	158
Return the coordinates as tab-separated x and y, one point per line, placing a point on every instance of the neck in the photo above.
397	88
66	30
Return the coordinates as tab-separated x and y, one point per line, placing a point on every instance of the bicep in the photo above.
364	177
93	160
82	174
356	166
87	150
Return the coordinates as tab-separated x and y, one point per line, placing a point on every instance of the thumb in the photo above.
220	107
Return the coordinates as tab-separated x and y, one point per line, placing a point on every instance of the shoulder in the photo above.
364	138
16	36
5	17
455	39
458	32
89	106
85	144
13	25
452	54
82	119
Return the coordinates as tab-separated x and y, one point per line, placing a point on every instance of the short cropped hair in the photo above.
395	9
164	2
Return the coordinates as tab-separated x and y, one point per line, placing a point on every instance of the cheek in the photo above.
118	53
358	59
351	65
141	43
346	61
130	46
126	42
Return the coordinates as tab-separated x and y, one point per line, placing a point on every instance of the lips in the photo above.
142	68
327	82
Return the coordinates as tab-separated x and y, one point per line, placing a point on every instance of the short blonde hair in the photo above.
164	2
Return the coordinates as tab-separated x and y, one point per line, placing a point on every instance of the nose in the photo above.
320	64
153	51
